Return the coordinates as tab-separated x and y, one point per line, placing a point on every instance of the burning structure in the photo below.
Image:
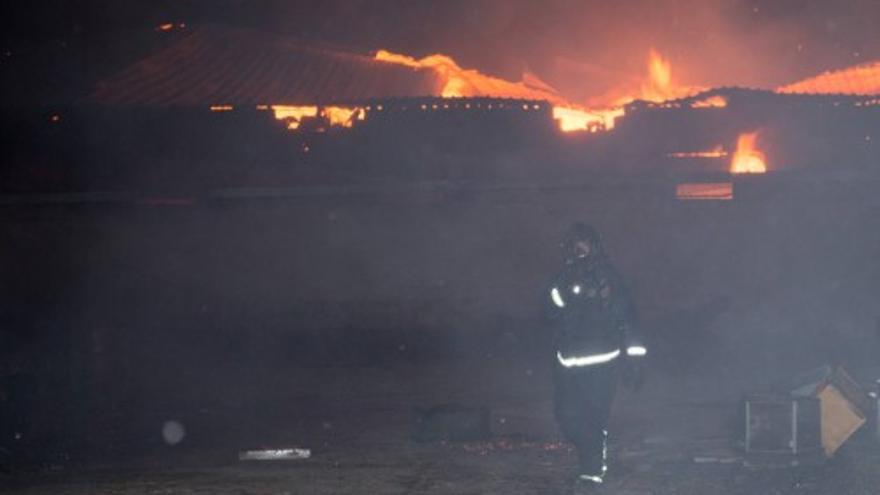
264	212
311	114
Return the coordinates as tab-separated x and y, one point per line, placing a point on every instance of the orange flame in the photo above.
343	116
715	101
294	115
658	87
333	115
747	159
456	81
657	84
861	79
572	119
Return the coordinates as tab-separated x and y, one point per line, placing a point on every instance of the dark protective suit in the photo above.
593	318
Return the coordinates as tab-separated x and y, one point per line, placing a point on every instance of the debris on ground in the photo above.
806	420
289	454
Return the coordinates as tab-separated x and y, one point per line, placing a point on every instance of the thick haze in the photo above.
588	47
585	48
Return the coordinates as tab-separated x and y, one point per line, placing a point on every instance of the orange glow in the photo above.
453	81
343	116
718	191
861	79
580	119
456	82
167	27
747	159
717	152
294	115
716	101
659	84
221	108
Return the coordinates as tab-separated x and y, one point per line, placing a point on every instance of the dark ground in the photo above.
357	421
322	322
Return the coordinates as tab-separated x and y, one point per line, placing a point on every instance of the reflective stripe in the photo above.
604	452
590	360
594	479
557	299
636	350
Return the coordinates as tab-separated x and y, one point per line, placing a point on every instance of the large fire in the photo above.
294	115
456	82
343	116
658	85
748	159
459	82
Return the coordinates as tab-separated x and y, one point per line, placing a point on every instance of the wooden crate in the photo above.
844	405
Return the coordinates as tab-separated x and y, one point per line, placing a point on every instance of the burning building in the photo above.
270	216
213	98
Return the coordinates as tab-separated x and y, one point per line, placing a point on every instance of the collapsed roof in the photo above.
215	65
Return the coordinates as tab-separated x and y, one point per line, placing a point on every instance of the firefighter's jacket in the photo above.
593	315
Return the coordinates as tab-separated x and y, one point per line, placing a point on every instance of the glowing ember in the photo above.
579	119
294	115
167	27
342	116
747	159
715	101
717	152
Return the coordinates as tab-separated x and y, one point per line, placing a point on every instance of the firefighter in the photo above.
593	318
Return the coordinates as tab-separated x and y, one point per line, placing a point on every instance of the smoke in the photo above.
586	48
